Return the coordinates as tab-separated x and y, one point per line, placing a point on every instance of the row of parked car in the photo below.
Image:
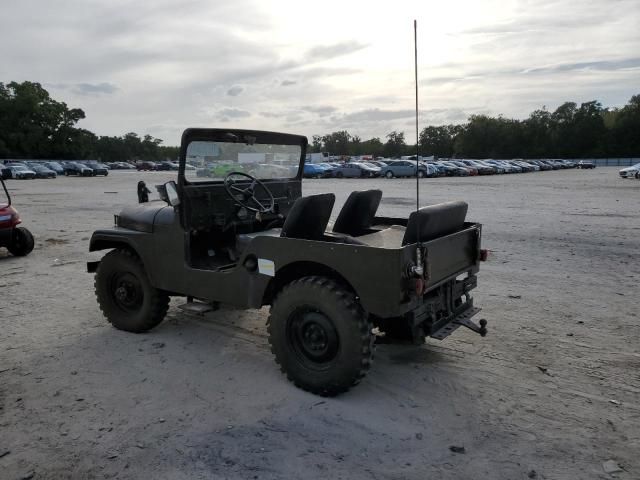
31	169
453	167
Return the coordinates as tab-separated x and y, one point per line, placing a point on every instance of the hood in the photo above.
140	217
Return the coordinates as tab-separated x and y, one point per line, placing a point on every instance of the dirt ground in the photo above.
551	393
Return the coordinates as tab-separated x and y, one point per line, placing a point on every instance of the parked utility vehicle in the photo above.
18	240
252	242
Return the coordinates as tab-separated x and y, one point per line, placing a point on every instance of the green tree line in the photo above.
571	131
34	125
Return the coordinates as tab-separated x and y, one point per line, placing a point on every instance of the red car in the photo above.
146	166
18	240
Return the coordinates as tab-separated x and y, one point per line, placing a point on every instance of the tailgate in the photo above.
452	255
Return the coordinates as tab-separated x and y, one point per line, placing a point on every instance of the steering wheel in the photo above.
248	193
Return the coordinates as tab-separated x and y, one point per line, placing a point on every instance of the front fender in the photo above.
115	238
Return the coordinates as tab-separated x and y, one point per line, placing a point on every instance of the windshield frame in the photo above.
223	136
6	194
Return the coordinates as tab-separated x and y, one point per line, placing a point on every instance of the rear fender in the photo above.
299	269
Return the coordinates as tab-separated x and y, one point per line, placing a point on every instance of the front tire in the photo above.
420	174
125	294
389	174
320	336
22	242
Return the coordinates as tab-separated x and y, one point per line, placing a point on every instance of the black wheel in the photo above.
320	336
389	174
21	242
125	295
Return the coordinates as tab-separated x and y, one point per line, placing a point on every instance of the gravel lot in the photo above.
552	392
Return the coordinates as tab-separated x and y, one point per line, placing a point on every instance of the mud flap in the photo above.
92	266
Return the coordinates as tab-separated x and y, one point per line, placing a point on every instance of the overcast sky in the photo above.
160	66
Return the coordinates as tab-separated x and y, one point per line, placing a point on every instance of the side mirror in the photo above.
172	193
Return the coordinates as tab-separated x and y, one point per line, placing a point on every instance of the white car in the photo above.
21	172
630	172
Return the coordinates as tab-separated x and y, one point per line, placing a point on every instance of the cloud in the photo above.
163	66
234	113
376	114
273	114
235	91
326	52
321	110
602	65
90	89
319	72
95	89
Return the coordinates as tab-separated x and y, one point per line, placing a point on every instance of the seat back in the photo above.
308	217
435	221
358	212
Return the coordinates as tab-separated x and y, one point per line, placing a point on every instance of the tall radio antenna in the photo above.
415	51
417	269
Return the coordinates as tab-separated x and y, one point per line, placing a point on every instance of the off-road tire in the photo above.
322	296
121	265
22	242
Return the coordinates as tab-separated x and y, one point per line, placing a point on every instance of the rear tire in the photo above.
339	175
320	336
125	294
22	242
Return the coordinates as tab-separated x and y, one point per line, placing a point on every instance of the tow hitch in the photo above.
464	320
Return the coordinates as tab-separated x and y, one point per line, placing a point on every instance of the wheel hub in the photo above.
127	292
121	293
313	337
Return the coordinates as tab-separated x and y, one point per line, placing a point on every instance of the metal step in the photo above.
198	308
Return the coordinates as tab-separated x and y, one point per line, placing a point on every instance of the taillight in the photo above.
484	254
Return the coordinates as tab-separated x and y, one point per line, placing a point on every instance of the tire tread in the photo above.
350	303
159	300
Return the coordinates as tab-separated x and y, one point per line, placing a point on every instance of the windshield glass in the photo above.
214	160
